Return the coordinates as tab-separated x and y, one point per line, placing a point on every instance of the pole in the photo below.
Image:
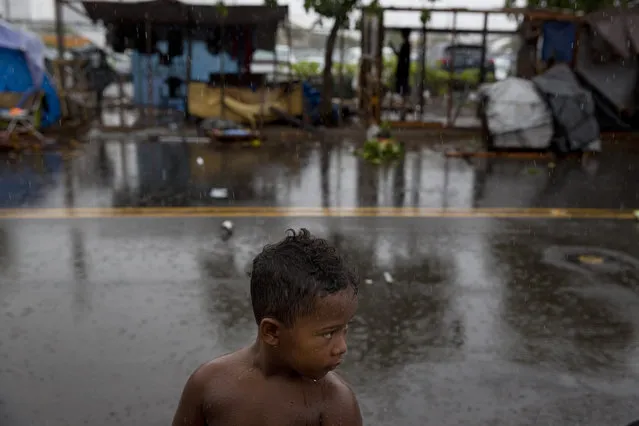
482	64
7	10
289	41
341	76
222	72
451	78
149	65
59	28
422	74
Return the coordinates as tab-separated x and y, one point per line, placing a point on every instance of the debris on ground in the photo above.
219	193
227	229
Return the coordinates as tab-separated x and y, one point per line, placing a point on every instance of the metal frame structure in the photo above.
370	97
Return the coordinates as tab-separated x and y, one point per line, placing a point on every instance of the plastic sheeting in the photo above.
29	44
15	77
516	115
573	109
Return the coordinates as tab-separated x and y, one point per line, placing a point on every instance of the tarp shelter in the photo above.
607	64
573	109
22	70
515	115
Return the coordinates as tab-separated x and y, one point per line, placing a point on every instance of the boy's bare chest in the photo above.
267	408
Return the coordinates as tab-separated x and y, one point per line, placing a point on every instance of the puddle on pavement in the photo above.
120	174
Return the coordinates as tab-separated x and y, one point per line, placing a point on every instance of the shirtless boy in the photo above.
303	298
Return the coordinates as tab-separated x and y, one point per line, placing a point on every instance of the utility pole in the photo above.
59	27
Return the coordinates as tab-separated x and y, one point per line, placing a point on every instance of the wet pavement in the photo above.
117	174
489	321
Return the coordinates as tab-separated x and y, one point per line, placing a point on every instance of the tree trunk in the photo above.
326	105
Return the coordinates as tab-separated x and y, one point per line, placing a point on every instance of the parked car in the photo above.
465	56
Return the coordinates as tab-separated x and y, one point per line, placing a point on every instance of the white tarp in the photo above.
516	115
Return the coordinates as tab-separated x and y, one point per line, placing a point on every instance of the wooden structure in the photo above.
77	99
371	73
178	46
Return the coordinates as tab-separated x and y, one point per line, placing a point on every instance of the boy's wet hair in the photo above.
288	276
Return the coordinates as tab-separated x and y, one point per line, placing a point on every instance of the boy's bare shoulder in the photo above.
342	400
338	387
217	371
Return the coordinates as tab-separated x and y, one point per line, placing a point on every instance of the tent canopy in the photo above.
29	44
619	27
22	71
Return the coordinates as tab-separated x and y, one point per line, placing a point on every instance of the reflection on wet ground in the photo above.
488	321
116	174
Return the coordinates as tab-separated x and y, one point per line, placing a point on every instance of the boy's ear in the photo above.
270	331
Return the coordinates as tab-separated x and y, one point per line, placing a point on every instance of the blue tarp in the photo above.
558	41
22	70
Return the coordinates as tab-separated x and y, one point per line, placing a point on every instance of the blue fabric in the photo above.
15	77
558	41
15	39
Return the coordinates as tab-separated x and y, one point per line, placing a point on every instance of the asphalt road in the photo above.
518	307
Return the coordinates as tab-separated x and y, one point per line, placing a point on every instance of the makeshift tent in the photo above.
606	63
22	70
516	116
573	108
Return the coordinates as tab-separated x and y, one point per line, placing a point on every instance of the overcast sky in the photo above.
43	9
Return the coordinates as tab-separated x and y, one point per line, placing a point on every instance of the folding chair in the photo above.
22	118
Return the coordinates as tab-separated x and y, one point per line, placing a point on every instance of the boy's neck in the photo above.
268	363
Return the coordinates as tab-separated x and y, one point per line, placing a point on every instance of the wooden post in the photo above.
422	74
149	65
451	78
579	27
341	76
59	28
275	59
379	66
484	37
189	66
222	72
289	41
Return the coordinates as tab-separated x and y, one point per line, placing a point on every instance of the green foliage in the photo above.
424	18
437	80
305	69
222	9
337	9
381	150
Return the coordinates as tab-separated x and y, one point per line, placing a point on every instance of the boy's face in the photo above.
316	343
